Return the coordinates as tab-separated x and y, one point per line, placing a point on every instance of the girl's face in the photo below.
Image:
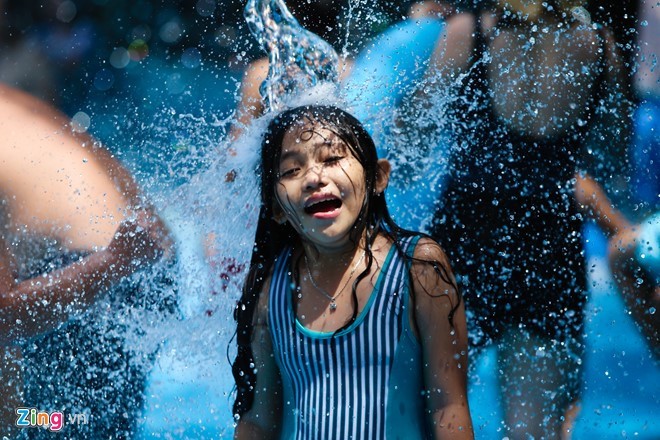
320	188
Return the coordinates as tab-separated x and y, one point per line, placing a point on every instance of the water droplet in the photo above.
170	32
104	79
80	122
119	58
66	11
191	58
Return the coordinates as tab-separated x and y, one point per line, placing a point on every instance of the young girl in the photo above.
349	326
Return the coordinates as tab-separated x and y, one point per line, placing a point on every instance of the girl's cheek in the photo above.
285	199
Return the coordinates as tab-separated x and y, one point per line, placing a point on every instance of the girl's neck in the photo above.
328	258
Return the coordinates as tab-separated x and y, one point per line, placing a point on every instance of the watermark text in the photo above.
53	421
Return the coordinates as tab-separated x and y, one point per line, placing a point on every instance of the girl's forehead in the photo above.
309	135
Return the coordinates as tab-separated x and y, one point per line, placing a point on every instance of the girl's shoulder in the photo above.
429	250
430	268
419	246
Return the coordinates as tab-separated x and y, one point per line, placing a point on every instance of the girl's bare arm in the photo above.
42	303
444	346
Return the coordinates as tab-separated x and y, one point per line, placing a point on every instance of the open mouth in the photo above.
323	206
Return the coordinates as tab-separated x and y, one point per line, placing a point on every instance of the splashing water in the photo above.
222	201
298	59
301	61
213	219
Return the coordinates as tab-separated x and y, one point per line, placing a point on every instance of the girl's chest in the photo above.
322	311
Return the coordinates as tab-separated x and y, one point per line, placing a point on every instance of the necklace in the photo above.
333	304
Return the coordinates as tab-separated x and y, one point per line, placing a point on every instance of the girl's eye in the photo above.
290	172
333	159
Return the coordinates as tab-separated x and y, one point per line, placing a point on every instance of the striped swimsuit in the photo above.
366	382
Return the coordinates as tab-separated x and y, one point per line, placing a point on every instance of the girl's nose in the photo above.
314	177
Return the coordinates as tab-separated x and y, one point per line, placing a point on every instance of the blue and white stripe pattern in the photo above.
337	388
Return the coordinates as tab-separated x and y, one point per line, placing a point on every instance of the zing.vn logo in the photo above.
54	421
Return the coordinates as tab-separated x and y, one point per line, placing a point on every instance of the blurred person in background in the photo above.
634	254
73	228
540	96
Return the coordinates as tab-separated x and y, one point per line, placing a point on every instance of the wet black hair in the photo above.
272	238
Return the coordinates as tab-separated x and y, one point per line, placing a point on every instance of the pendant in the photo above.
333	306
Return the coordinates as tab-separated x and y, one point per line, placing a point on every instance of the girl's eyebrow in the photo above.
289	154
316	145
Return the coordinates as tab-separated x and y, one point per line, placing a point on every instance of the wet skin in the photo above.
59	192
321	191
321	187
